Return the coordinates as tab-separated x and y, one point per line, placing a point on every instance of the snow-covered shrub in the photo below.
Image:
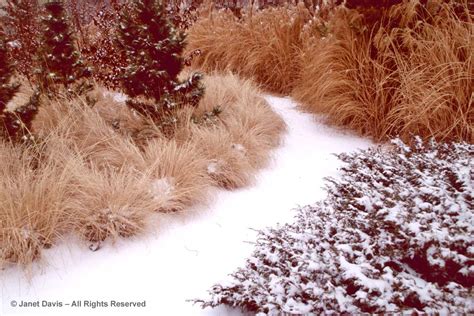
396	233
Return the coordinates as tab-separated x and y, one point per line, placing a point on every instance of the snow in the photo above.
355	271
14	44
189	253
213	167
117	96
162	188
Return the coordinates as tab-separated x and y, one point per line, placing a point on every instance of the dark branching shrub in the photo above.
82	13
7	89
100	49
154	47
378	11
183	13
395	234
23	34
15	124
61	63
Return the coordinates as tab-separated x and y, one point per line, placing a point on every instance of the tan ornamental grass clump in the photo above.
34	203
262	45
226	165
412	74
178	174
237	144
400	70
98	171
110	203
254	127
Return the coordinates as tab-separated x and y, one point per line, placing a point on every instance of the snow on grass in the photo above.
162	187
190	252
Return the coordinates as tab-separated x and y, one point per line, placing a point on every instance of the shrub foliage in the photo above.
153	47
395	234
23	34
60	60
100	49
15	124
7	89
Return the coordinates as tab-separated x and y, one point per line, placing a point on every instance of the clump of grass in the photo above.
327	82
400	70
178	173
407	75
227	165
254	127
34	203
98	171
238	143
110	203
262	45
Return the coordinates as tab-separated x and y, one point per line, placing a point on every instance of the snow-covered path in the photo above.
185	258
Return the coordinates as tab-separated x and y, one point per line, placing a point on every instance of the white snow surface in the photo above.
186	255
